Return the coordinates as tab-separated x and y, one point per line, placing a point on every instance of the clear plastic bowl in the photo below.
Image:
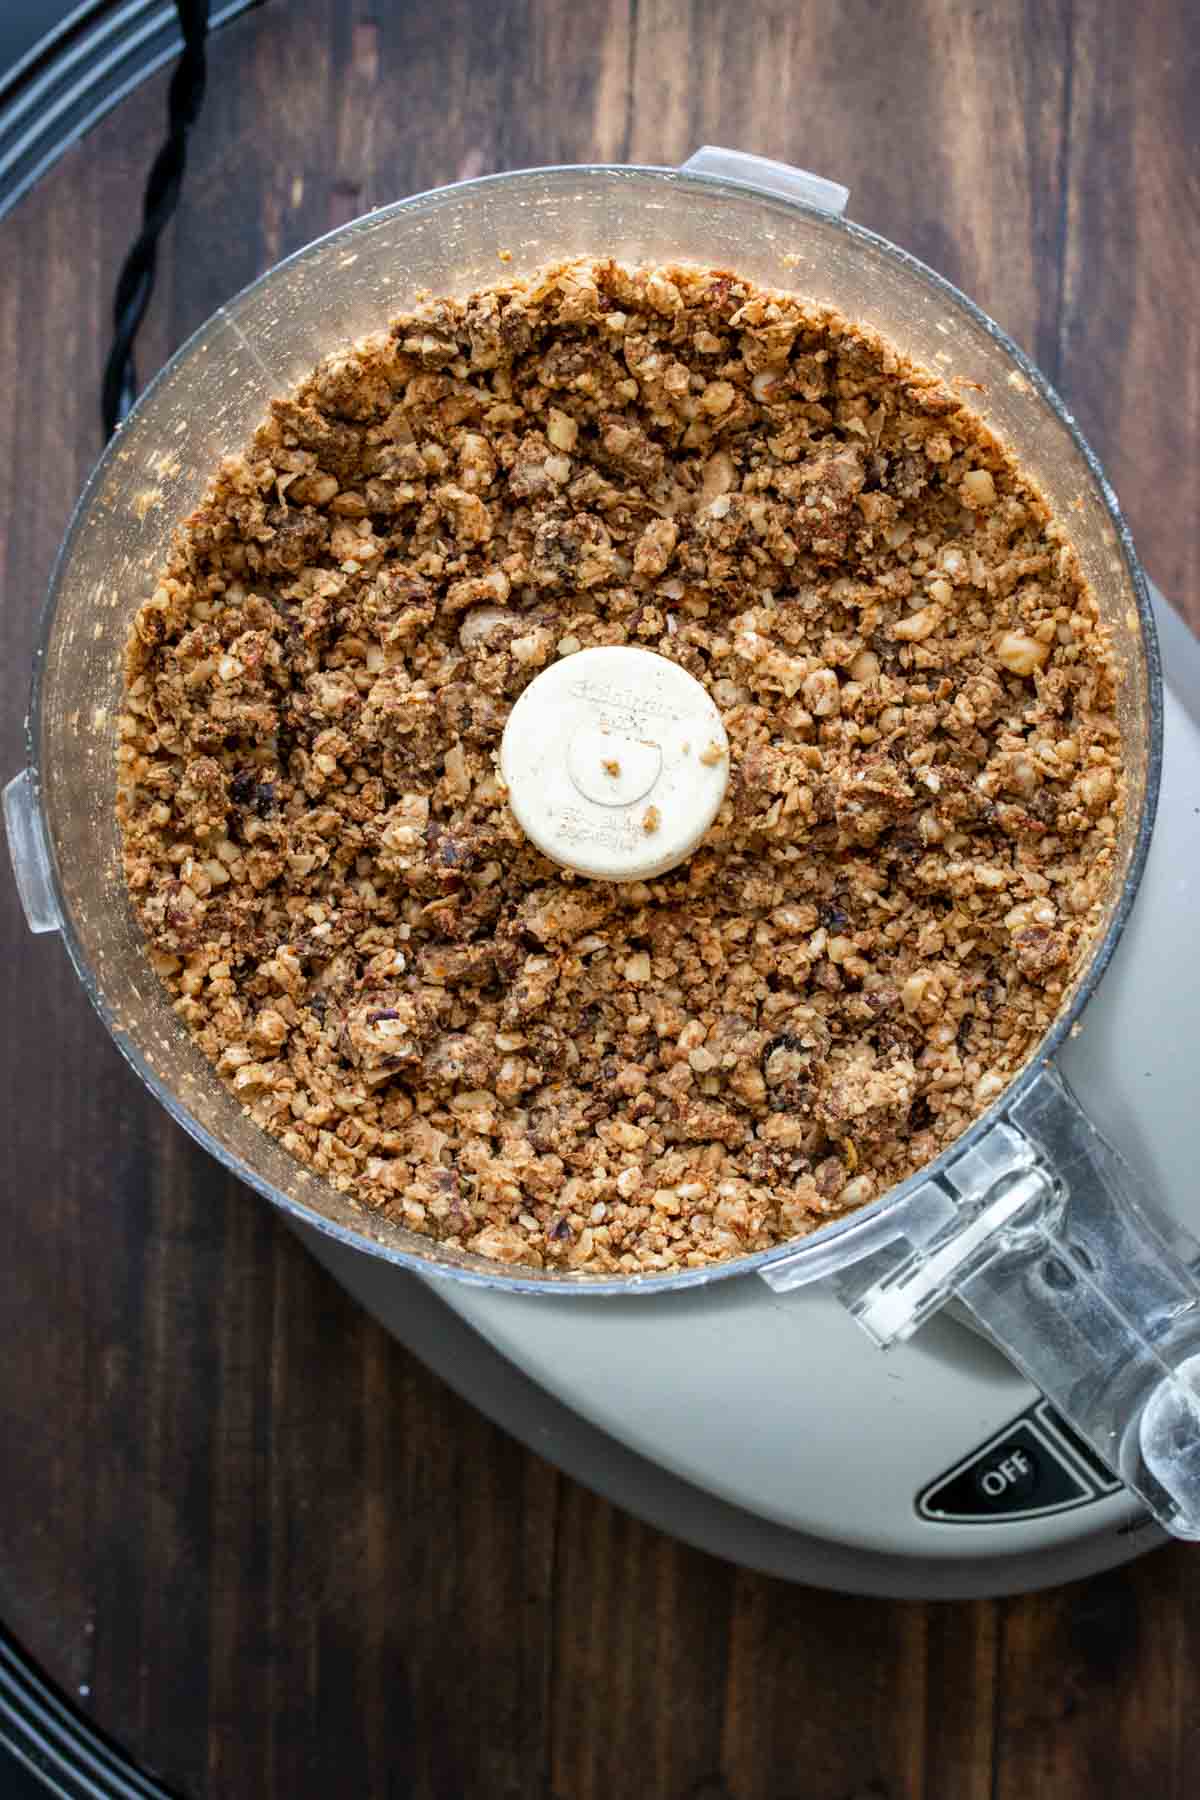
214	392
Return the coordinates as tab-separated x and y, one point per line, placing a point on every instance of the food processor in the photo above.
1047	1422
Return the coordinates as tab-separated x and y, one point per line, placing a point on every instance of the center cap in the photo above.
616	762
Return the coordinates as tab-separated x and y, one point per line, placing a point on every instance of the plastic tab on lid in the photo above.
616	763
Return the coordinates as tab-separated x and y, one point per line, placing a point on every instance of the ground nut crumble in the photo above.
916	845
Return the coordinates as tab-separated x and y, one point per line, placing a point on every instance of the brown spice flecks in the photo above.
916	845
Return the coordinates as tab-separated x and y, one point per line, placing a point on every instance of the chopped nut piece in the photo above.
651	820
1097	787
1023	655
821	693
921	624
978	489
655	547
480	622
718	397
720	477
711	755
562	430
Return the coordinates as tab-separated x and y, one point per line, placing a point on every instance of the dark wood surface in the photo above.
263	1546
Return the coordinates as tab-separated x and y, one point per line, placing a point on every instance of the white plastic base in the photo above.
767	1428
965	1568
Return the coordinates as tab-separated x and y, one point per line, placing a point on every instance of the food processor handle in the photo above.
1043	1233
768	177
30	853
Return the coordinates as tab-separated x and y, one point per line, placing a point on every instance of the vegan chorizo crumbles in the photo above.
917	841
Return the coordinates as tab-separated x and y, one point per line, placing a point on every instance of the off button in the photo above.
1009	1477
1018	1474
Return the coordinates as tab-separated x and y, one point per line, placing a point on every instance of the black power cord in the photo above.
49	1749
135	283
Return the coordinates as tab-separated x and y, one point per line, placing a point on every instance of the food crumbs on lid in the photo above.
651	820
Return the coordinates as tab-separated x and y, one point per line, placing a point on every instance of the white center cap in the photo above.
616	763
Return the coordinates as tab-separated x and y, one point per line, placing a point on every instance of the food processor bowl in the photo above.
772	224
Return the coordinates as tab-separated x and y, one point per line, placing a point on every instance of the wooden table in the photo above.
264	1547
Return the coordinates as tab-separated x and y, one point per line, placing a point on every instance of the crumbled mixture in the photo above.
916	845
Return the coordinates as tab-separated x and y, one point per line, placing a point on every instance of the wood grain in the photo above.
272	1553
